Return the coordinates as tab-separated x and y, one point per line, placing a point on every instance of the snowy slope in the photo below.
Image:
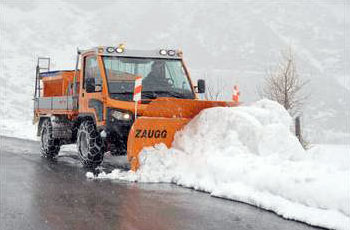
251	156
236	42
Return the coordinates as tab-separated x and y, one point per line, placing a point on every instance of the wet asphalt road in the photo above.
38	194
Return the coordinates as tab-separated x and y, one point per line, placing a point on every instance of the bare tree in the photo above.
283	84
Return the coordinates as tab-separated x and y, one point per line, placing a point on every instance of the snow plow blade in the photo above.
173	114
149	131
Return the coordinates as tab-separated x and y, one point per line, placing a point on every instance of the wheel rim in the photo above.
44	138
83	145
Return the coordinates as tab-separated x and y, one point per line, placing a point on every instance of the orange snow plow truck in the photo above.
101	107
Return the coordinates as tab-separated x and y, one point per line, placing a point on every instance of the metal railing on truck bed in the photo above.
56	103
41	102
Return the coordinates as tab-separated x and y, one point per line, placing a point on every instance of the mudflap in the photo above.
149	131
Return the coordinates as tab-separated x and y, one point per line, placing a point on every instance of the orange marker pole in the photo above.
235	95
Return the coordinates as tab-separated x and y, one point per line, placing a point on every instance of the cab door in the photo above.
91	90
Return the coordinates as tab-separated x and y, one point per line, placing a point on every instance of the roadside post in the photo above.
137	93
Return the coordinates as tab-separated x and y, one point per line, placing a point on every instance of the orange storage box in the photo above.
57	83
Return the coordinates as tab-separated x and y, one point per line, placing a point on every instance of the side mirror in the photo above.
201	86
90	85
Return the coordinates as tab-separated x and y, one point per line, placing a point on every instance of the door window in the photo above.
92	73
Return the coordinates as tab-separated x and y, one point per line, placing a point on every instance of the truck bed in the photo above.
63	103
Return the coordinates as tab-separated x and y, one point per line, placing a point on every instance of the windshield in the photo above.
160	78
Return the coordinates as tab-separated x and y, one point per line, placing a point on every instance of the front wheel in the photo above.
89	145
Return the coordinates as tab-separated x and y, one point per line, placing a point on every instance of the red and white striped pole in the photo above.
137	93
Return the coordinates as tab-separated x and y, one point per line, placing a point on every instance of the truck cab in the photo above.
108	82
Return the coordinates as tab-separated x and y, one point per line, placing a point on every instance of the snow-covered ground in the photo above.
24	128
249	154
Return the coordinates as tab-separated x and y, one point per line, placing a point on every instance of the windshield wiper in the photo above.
156	93
149	94
124	92
174	94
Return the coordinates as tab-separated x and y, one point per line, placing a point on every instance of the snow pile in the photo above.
249	154
19	128
338	156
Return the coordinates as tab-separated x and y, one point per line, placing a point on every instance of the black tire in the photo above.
50	146
90	146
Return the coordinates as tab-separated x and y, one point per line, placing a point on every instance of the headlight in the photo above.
162	52
110	49
171	52
100	50
119	50
121	116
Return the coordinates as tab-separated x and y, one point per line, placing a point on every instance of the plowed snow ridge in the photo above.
249	154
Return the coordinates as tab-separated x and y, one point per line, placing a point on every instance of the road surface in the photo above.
38	194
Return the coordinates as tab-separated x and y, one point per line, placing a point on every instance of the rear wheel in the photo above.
49	146
89	145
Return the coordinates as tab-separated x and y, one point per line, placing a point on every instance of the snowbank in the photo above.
18	128
249	154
